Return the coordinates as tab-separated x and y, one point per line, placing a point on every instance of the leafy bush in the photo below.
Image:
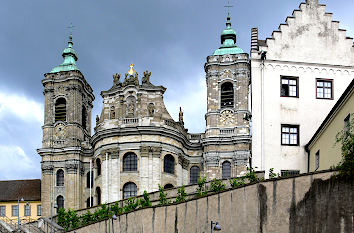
87	218
130	204
63	219
346	138
163	196
181	195
145	201
116	209
271	173
201	190
237	182
251	175
217	185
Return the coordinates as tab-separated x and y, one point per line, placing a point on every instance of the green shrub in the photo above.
73	219
130	204
145	201
237	182
87	218
272	174
63	219
217	186
116	209
201	190
163	196
251	175
181	195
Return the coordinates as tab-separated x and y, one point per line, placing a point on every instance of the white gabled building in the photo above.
297	76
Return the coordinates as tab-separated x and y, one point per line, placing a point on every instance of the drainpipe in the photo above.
263	57
107	176
90	182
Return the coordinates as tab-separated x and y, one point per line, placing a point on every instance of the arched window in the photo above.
98	194
88	202
60	177
130	162
88	179
129	190
98	164
226	170
194	174
84	117
169	164
227	95
168	186
60	110
60	202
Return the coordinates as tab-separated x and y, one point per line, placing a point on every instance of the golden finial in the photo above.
131	71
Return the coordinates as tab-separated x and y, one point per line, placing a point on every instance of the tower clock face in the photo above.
227	118
60	130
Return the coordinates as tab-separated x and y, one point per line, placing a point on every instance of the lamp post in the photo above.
216	227
18	212
114	217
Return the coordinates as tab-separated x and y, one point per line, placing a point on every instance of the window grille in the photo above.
27	210
60	110
14	210
169	164
130	162
2	210
290	135
226	170
289	87
39	210
60	202
324	89
194	174
60	177
129	190
227	95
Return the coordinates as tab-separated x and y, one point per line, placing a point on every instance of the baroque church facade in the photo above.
136	144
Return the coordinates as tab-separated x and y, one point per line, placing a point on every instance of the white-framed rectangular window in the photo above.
27	210
39	210
289	86
14	210
2	210
324	89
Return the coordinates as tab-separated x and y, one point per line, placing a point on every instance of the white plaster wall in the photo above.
114	179
306	111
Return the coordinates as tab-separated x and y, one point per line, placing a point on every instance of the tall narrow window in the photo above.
98	164
226	170
169	164
2	210
227	95
88	204
14	210
290	135
39	210
129	190
60	110
60	202
84	117
130	162
88	175
347	124
194	174
324	89
27	210
98	194
289	87
60	177
317	160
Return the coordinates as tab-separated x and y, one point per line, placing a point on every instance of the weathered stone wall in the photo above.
310	203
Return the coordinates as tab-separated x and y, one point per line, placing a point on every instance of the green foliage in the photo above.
346	138
163	196
115	209
145	201
217	186
181	195
68	220
201	190
272	174
87	218
130	204
73	219
251	175
237	182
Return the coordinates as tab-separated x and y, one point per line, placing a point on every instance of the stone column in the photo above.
144	168
71	178
105	177
156	168
114	176
47	189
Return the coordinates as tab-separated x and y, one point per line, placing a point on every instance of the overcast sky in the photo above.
171	38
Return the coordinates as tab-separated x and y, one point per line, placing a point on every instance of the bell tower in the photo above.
66	134
227	137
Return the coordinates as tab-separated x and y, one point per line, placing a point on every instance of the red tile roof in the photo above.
29	190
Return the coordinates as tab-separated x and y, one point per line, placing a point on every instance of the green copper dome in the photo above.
228	41
70	58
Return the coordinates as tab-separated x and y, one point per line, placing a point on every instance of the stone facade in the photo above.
136	144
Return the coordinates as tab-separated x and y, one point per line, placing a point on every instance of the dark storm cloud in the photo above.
170	38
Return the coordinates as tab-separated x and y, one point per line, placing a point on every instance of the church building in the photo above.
136	144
